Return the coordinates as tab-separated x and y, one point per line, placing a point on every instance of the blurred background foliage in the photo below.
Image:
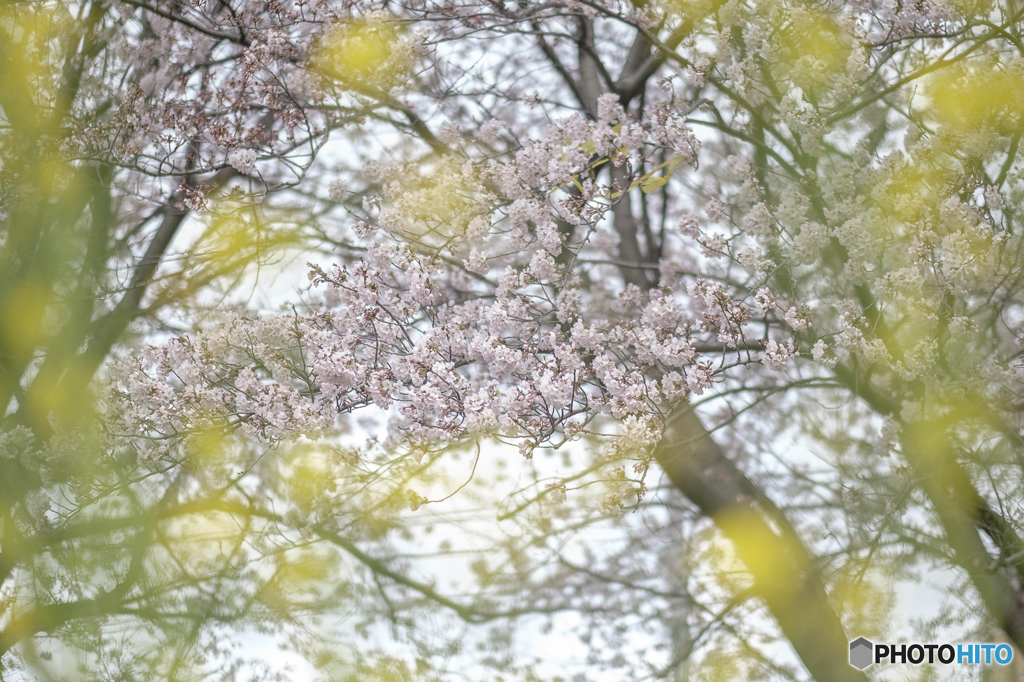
158	168
110	233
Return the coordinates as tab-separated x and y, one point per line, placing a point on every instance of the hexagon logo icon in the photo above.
861	653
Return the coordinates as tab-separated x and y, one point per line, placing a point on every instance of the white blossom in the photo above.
824	354
449	133
776	356
242	160
490	131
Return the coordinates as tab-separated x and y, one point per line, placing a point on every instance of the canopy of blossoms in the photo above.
681	206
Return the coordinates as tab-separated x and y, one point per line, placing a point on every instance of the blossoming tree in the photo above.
690	245
139	149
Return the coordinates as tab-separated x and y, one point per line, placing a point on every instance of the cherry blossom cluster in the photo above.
491	297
